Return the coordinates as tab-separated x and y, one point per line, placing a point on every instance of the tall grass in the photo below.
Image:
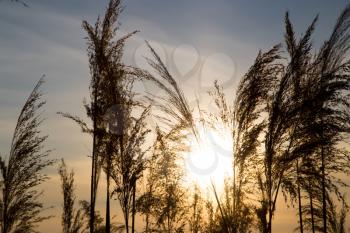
21	171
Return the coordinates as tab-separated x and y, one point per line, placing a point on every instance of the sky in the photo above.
200	41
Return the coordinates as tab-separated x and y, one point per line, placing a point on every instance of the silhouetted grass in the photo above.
21	172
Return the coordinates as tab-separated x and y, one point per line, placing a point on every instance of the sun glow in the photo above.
210	158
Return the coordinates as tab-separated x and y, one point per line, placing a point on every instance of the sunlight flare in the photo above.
210	158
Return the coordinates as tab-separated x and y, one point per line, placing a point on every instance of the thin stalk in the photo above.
126	215
93	167
269	178
108	219
133	208
4	215
223	215
311	209
234	189
324	204
269	191
299	199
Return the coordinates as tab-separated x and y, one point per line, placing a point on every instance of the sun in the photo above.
210	158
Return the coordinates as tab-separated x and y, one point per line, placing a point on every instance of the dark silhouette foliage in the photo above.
21	172
72	219
109	89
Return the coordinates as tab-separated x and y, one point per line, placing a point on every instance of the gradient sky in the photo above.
201	41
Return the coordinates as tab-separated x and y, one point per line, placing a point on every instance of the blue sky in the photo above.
47	38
